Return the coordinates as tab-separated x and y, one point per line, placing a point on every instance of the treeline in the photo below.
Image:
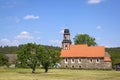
115	55
14	49
9	49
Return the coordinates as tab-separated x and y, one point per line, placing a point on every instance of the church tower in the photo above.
66	41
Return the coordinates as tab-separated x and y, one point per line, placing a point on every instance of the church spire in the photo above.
66	41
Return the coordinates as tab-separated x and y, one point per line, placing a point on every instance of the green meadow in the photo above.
58	74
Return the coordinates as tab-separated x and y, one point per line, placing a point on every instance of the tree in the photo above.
31	55
3	60
84	39
45	58
48	57
27	56
55	56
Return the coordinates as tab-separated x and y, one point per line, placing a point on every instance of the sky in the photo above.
43	21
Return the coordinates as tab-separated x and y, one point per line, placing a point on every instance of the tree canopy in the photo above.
48	57
84	39
32	55
27	56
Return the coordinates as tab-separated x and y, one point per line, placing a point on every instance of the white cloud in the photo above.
7	42
55	42
15	43
22	38
27	17
24	35
62	31
94	1
98	27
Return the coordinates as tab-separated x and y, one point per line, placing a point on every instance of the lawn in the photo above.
58	74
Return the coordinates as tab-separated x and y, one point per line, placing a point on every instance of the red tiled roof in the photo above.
83	51
107	59
86	51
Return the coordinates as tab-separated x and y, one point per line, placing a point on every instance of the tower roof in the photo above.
66	31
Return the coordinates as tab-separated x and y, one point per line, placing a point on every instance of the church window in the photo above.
65	45
72	60
97	60
66	60
79	60
90	60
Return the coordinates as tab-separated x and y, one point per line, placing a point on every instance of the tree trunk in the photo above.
46	66
46	69
33	70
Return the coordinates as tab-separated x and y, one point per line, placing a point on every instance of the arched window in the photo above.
90	60
72	60
79	60
66	46
66	60
97	60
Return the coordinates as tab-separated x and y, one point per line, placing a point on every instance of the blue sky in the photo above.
43	21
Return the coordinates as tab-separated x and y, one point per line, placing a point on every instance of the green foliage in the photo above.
3	60
44	58
28	56
115	55
48	57
8	49
31	55
84	39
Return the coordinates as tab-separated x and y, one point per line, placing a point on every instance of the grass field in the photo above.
58	74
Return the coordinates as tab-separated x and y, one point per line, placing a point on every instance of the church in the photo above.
82	56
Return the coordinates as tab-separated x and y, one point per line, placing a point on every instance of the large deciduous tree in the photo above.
31	55
28	56
84	39
48	57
